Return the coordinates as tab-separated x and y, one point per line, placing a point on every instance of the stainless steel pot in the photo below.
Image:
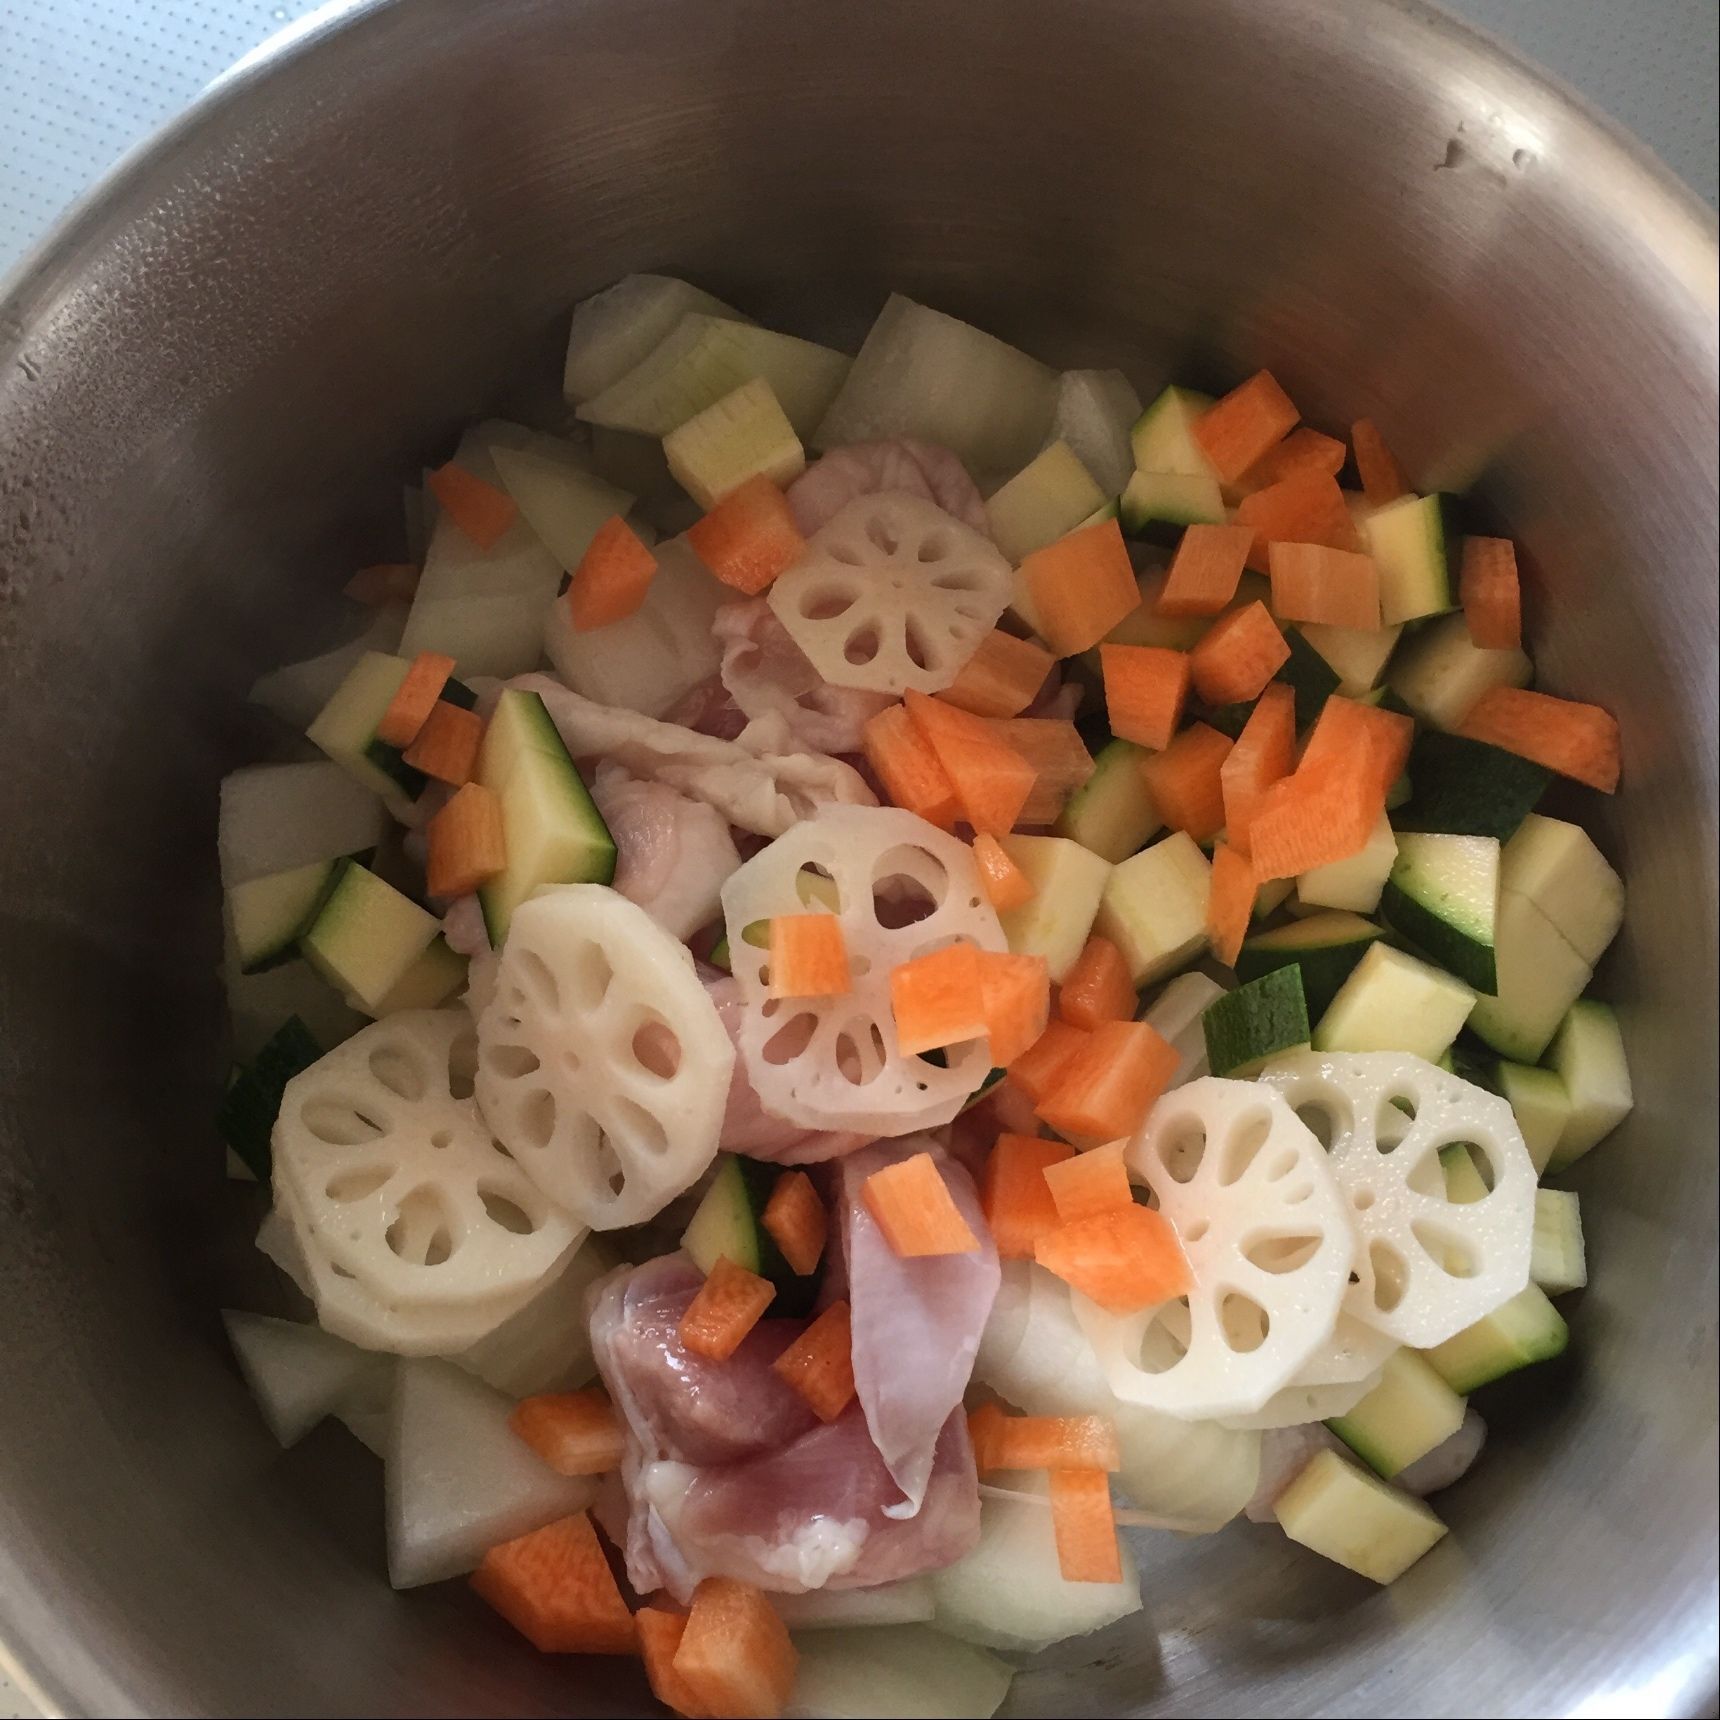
215	373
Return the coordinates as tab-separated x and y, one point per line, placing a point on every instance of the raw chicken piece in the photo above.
747	1126
464	929
821	492
917	1322
767	674
1284	1453
672	853
709	709
765	786
1449	1461
727	1472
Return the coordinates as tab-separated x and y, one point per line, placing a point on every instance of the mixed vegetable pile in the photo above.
1005	982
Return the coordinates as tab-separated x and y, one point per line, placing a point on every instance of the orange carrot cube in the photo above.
1185	783
749	537
612	578
555	1587
575	1433
1015	1195
729	1303
735	1654
1094	1181
465	842
1205	570
912	1205
1238	656
1145	689
1002	678
819	1364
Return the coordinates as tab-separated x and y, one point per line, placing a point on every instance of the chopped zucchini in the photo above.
1588	1056
1337	1509
1443	897
743	435
1154	907
1068	881
1354	883
1393	1002
1415	545
563	504
1461	787
1526	1329
1441	672
1048	497
366	936
1403	1418
429	982
269	915
252	1102
1540	1104
1326	947
1557	1261
1160	499
1559	868
1540	977
729	1223
345	729
1357	655
1309	676
616	329
1246	1028
1112	812
1163	436
554	834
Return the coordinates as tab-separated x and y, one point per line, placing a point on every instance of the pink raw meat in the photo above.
825	488
672	853
917	1322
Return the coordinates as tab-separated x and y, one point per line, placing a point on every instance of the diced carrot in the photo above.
479	509
1098	987
1331	586
465	844
1304	450
1311	818
991	779
1184	780
660	1634
1015	1195
1382	477
1240	429
819	1364
1002	678
415	698
735	1654
1308	508
575	1433
1490	593
1085	1526
386	582
1146	687
1060	759
1124	1260
447	745
612	577
1366	739
795	1220
1109	1085
1015	993
936	999
1080	587
1006	885
1038	1069
555	1587
1265	751
808	957
1576	740
911	1203
728	1305
1238	655
1090	1182
1230	902
1205	570
1045	1441
749	537
905	764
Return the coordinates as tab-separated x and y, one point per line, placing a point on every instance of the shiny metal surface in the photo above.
214	376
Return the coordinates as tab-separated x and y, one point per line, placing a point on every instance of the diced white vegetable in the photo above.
1096	409
546	1346
1539	977
278	816
1588	1054
459	1480
797	1050
1355	883
1441	672
1175	1016
603	1065
746	434
619	327
1154	907
1247	1189
1050	496
929	376
1558	867
1068	882
1008	1593
905	1672
297	691
906	1602
300	1374
1427	1265
561	503
1335	1508
702	359
1558	1262
666	647
1395	1002
892	594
